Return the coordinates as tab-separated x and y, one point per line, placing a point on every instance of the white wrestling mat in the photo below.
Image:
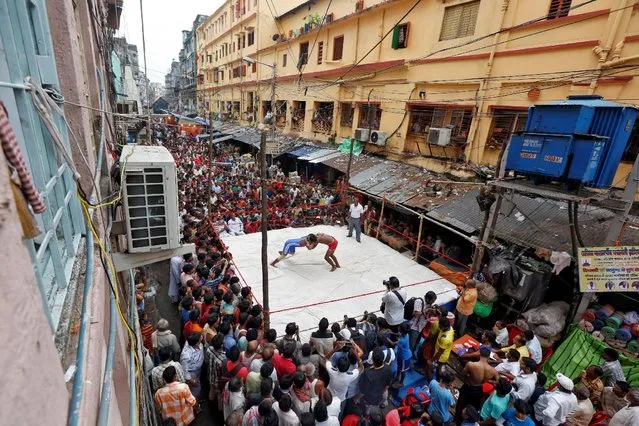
305	278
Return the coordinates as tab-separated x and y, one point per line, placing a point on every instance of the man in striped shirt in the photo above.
175	400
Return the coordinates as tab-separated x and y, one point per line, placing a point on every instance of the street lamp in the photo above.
265	300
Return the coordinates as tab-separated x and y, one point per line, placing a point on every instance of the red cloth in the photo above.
16	161
350	420
283	366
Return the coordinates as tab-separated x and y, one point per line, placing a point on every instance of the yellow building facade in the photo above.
439	82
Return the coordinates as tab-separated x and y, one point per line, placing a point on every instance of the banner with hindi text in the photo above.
608	269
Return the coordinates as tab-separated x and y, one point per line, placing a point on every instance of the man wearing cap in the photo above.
628	416
552	408
524	383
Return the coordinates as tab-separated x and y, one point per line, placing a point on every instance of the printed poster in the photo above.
608	269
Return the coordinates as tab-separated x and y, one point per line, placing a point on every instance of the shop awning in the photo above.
332	155
317	154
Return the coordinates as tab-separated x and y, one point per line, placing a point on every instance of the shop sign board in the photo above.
608	269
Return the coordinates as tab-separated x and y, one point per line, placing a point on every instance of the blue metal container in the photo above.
579	140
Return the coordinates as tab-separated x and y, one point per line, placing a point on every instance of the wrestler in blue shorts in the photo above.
289	248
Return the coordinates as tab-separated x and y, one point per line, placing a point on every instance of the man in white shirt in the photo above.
628	416
501	334
235	225
552	408
510	368
533	345
355	211
393	303
341	378
525	382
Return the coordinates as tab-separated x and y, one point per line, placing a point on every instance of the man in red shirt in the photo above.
233	360
283	362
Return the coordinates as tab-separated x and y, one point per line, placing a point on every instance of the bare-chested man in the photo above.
475	375
331	242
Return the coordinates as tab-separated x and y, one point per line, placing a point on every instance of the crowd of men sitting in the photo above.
345	373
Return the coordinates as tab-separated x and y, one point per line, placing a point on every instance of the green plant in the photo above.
314	20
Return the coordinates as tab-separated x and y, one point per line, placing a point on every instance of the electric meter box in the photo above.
149	191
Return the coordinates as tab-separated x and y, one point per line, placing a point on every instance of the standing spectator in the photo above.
403	352
321	415
284	363
582	415
540	389
475	375
355	212
166	360
174	400
322	339
533	345
175	270
518	415
613	398
369	218
441	396
163	337
524	383
233	397
420	317
216	361
443	346
552	408
340	375
234	365
301	394
374	381
192	359
393	303
285	414
591	379
611	367
235	225
497	403
466	305
291	339
628	416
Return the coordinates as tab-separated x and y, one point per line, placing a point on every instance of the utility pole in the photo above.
265	299
209	180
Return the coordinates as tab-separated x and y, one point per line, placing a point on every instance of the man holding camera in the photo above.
393	303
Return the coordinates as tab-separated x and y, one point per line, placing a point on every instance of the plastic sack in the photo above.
547	320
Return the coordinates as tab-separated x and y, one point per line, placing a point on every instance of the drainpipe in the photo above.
472	132
107	384
603	52
78	381
133	402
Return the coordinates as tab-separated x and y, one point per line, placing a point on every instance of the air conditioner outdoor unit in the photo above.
149	191
378	138
362	135
439	136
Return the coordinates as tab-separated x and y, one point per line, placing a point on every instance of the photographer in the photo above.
393	303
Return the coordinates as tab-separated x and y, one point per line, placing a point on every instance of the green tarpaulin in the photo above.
578	351
345	146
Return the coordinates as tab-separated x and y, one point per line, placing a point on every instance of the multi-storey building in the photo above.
172	85
129	99
408	68
188	68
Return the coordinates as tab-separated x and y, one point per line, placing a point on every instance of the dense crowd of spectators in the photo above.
345	373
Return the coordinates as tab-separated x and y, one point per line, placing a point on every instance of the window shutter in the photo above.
395	42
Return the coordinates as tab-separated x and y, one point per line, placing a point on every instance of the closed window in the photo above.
506	122
338	48
320	52
254	67
459	21
400	36
284	57
559	8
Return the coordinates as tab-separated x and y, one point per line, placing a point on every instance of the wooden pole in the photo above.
381	216
419	237
208	201
265	302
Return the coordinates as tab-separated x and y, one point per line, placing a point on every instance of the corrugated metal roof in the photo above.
304	150
317	154
532	222
333	154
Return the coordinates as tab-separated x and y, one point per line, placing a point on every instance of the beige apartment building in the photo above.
401	70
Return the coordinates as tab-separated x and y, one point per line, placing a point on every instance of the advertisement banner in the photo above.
608	269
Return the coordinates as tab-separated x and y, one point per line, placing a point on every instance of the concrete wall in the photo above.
34	379
481	76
